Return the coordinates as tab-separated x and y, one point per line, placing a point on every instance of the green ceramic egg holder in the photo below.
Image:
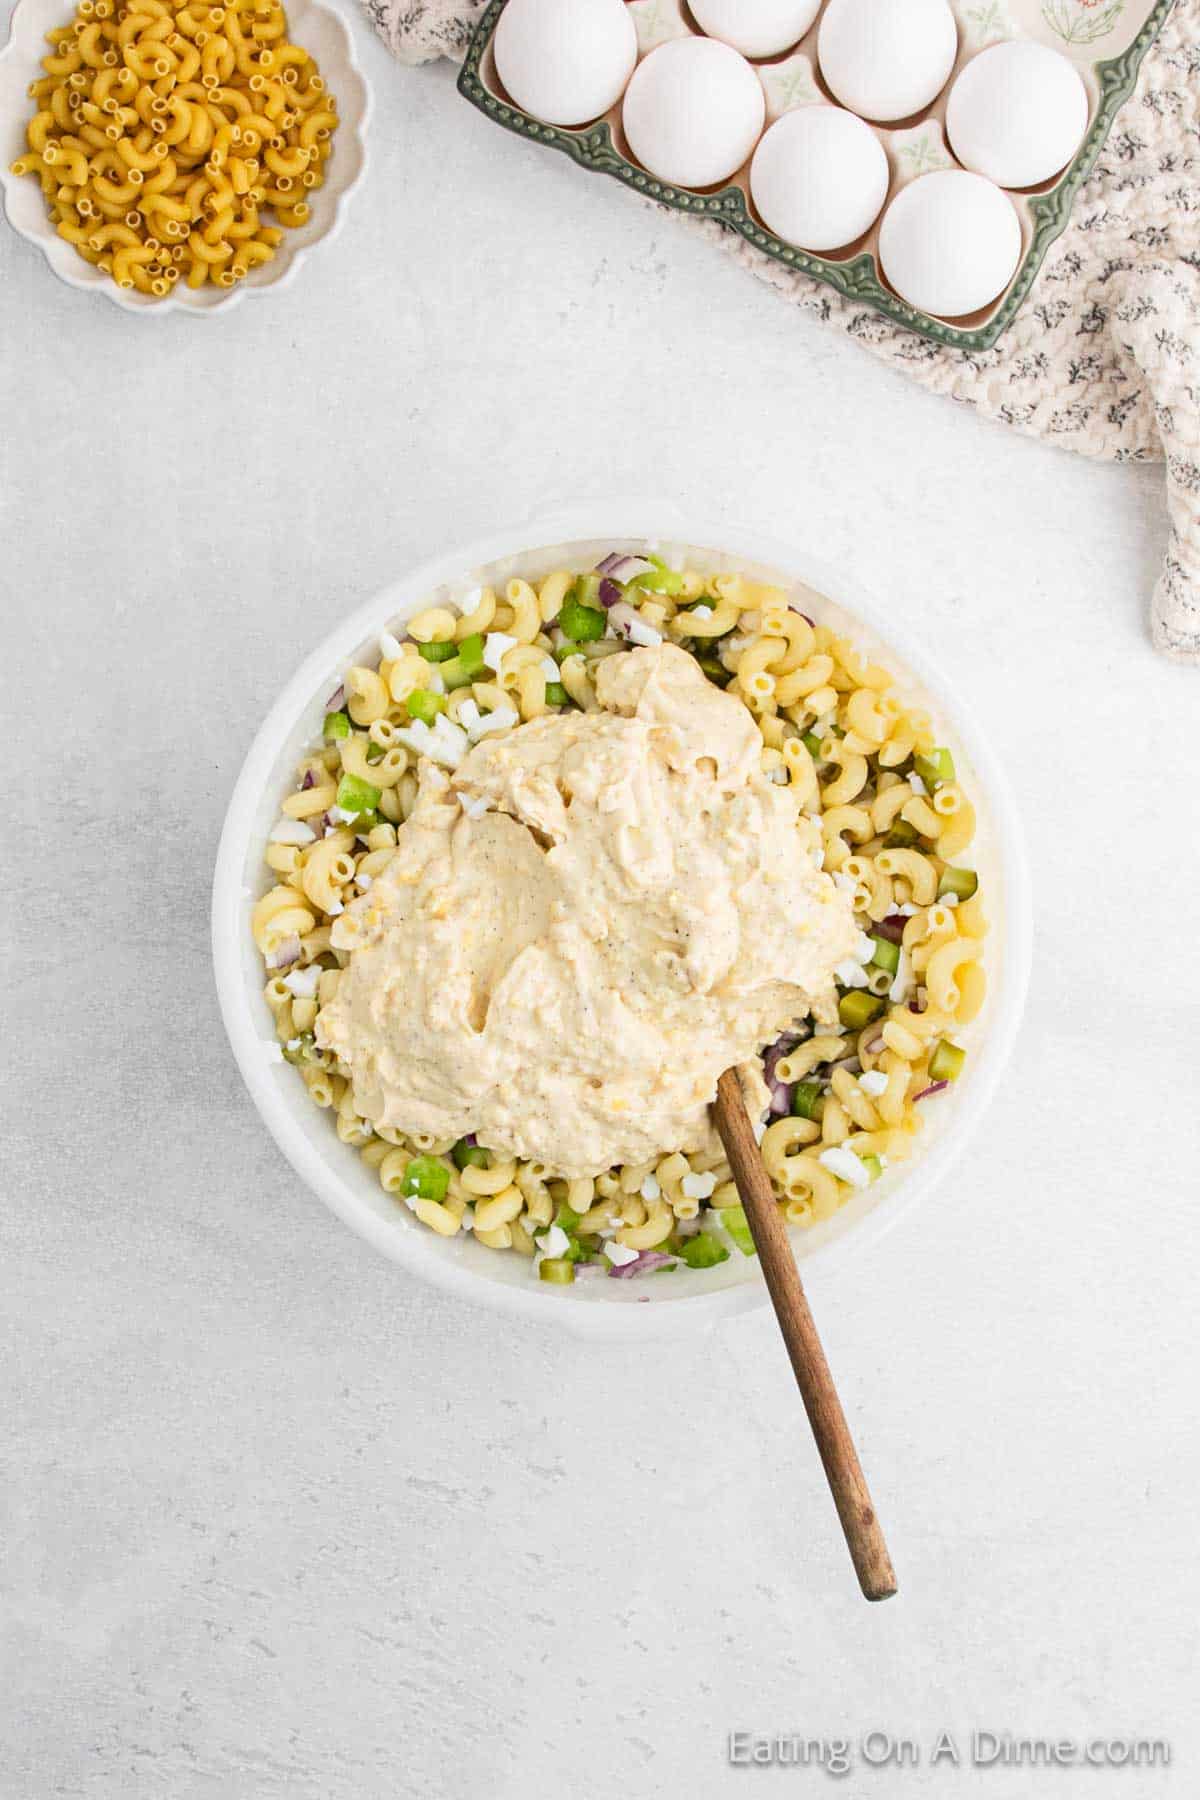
596	147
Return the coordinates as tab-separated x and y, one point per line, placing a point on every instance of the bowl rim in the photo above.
648	522
45	238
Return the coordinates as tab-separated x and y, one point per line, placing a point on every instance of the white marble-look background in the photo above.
280	1524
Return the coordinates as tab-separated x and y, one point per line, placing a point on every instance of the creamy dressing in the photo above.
567	972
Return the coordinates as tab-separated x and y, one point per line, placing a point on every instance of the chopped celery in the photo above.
586	591
357	796
873	1166
375	752
859	1008
736	1224
556	694
301	1049
426	1178
658	580
703	1251
469	1156
963	882
582	624
715	669
947	1061
901	836
812	743
567	1217
470	655
337	725
436	653
559	1269
425	706
885	955
455	674
934	767
807	1100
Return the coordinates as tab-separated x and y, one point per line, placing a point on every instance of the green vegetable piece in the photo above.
885	955
426	1178
470	655
568	1218
703	1251
859	1008
375	752
935	768
587	589
300	1050
355	795
715	669
436	653
337	725
963	882
470	1156
808	1102
559	1269
582	624
901	836
454	675
658	580
946	1063
425	706
873	1166
556	694
812	743
736	1224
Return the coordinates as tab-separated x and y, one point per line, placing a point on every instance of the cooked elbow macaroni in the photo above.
864	765
169	135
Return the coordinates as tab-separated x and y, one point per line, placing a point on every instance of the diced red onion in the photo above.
781	1098
310	780
622	567
471	1139
622	617
934	1088
589	1269
610	592
646	1260
286	952
892	928
773	1054
336	700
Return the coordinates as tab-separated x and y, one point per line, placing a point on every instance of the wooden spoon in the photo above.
843	1471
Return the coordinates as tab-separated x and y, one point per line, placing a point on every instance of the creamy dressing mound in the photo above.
567	972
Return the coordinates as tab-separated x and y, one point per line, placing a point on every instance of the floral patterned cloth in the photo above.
1104	357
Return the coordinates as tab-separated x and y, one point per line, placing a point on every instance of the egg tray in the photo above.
914	146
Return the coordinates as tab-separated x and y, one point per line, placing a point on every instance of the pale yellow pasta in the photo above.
802	683
328	867
552	591
942	970
800	1062
436	625
915	872
852	773
479	618
656	1228
526	618
279	915
722	618
958	831
489	1181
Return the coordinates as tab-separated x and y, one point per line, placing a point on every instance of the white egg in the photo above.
693	112
950	242
1017	113
565	63
819	177
887	59
756	27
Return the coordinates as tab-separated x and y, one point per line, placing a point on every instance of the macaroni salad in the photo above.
842	1100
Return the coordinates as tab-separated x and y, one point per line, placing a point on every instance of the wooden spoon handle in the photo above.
846	1480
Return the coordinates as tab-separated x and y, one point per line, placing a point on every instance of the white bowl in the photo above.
317	28
686	1298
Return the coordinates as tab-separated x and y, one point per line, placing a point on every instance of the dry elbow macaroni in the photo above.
172	140
864	765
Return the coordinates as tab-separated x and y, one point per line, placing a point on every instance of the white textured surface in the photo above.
280	1525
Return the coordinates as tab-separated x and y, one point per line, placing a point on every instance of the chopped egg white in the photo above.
619	1254
502	719
650	1189
641	633
845	1165
303	982
390	647
292	831
554	1242
699	1187
496	646
850	973
874	1082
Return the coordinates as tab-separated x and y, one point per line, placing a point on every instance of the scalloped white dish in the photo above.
318	28
606	1310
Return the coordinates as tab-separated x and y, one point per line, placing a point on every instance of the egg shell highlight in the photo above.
565	64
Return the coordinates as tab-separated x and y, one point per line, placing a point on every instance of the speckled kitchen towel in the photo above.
1104	357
